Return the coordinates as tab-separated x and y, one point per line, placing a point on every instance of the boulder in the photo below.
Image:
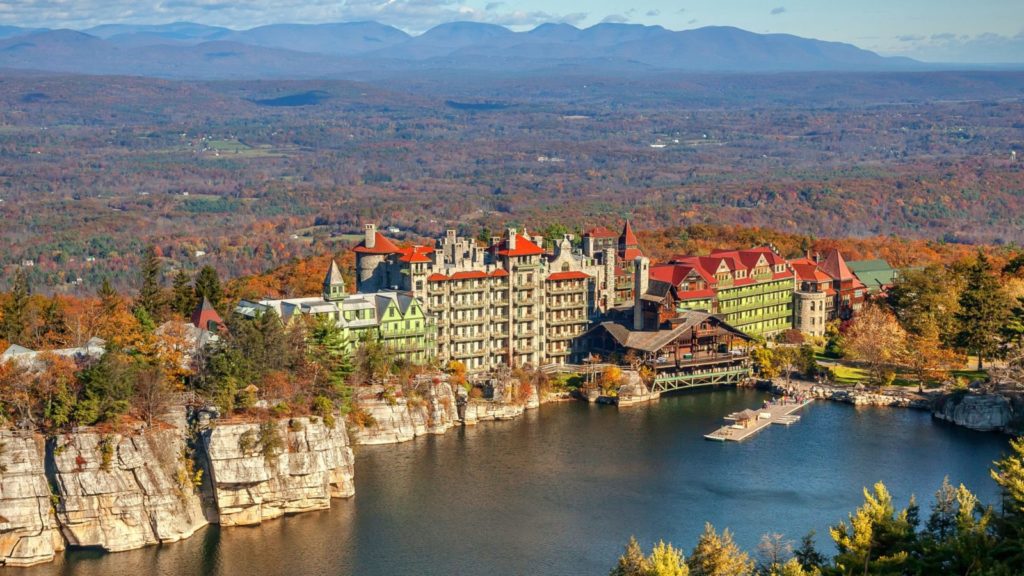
984	412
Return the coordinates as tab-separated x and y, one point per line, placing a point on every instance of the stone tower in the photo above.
641	281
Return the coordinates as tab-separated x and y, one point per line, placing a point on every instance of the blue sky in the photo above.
933	30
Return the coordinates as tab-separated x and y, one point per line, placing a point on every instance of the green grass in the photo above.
849	375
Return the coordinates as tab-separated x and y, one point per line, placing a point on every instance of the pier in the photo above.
743	425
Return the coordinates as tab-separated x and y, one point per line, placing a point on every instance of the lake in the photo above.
561	490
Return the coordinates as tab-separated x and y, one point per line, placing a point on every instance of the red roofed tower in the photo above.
372	259
205	317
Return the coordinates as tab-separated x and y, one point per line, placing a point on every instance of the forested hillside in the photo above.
246	176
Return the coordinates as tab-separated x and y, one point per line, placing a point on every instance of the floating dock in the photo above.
743	425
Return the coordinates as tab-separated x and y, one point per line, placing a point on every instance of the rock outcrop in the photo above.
983	412
263	471
633	390
390	417
123	492
28	528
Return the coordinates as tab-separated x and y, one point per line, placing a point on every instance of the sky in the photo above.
976	31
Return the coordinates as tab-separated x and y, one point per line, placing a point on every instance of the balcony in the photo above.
469	321
469	337
469	354
566	305
562	289
568	321
468	289
562	337
468	305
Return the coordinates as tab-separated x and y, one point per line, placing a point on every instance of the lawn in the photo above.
848	375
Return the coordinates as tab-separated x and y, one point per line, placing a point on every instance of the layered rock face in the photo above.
124	492
28	529
394	419
259	472
984	412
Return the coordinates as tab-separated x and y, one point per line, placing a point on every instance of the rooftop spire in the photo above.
628	238
334	284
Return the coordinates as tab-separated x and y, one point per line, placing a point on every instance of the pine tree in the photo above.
632	561
109	300
183	296
717	555
666	561
807	553
877	539
15	320
208	284
55	329
151	296
984	308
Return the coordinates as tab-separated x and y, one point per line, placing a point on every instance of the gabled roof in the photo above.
835	266
416	254
807	270
655	340
381	246
599	232
524	247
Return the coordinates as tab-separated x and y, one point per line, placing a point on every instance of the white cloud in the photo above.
777	11
614	19
949	47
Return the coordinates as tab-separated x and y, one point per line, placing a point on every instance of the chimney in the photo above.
511	244
641	280
371	236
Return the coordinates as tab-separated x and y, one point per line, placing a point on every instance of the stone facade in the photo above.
511	303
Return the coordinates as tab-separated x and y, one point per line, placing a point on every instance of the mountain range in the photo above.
355	49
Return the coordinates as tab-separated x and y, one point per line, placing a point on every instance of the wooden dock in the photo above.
781	414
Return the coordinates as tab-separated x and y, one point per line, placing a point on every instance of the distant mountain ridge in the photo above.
185	49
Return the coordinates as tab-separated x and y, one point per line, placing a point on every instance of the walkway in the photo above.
778	413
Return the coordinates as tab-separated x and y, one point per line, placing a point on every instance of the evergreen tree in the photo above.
1009	474
183	296
807	554
151	296
666	561
1013	331
208	284
55	329
109	300
632	561
717	555
877	540
15	320
984	308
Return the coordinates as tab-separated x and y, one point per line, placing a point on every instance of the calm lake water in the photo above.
559	491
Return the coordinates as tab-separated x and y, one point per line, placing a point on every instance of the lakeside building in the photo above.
604	246
826	290
396	319
507	303
682	348
752	290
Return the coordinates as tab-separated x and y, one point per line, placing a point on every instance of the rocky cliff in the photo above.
122	492
28	528
390	416
263	471
984	412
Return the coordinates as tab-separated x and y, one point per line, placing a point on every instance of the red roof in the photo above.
469	275
835	266
695	294
630	254
435	277
416	253
567	276
499	273
599	232
628	238
381	246
205	317
524	247
807	271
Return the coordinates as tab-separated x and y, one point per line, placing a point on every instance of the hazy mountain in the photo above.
192	50
341	39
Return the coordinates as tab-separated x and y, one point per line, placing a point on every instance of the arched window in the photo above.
565	266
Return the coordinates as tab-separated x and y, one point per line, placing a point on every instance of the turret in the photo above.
370	240
334	284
